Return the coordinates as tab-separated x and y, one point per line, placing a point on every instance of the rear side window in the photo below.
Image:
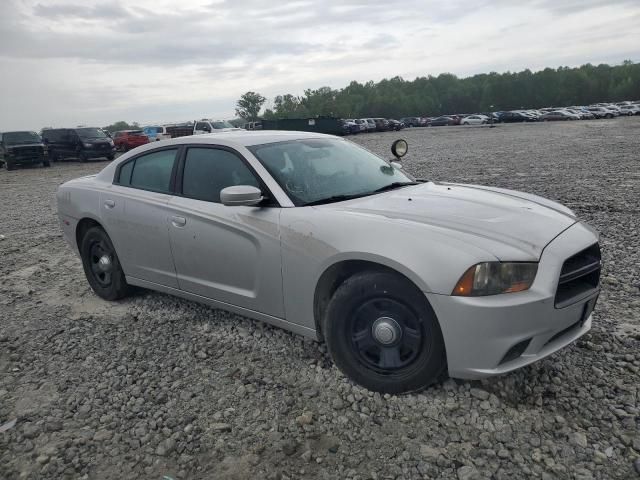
125	173
209	170
152	171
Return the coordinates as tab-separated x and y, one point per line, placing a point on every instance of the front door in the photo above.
229	254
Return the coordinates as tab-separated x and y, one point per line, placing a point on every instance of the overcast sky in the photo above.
70	62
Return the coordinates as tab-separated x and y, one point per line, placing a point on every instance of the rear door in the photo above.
229	254
135	213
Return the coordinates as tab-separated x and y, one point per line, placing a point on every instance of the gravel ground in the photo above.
156	386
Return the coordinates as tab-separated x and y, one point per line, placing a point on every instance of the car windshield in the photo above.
314	171
90	133
221	124
17	138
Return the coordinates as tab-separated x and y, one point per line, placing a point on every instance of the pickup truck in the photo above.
156	133
212	126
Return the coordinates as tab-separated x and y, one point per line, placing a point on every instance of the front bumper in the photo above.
97	152
26	160
481	333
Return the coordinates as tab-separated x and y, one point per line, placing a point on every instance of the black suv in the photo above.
22	148
82	143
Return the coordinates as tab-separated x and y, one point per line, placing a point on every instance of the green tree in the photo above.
448	94
249	105
121	125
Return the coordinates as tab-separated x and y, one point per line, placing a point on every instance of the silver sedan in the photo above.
405	279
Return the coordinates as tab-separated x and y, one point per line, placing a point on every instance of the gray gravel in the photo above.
156	386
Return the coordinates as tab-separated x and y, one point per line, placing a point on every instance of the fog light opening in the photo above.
515	351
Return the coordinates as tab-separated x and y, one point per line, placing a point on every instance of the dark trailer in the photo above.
328	125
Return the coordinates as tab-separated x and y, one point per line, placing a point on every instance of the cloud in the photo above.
99	61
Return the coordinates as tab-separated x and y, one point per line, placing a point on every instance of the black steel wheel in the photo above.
382	333
385	334
102	266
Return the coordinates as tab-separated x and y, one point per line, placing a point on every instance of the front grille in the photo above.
579	277
28	152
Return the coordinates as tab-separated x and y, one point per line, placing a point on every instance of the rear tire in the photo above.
46	163
382	333
83	157
102	266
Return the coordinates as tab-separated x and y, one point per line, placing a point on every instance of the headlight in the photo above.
492	278
87	145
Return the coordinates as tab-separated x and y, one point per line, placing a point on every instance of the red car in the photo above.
125	140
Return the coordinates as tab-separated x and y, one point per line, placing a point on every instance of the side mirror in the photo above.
241	195
399	148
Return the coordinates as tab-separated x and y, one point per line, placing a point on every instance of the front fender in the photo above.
314	239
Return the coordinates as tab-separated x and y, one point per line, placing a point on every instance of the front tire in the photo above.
9	165
46	163
102	266
383	334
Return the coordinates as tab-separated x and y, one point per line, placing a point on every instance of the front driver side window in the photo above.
209	170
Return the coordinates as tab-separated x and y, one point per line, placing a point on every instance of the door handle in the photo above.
109	203
178	221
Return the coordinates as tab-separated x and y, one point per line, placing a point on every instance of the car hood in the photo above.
522	221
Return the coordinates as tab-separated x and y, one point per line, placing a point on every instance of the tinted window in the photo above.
125	173
90	133
153	171
209	170
21	138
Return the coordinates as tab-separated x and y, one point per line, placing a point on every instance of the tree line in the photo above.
448	94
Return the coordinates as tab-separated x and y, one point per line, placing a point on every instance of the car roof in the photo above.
247	138
235	138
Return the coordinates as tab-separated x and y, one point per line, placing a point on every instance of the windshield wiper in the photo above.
393	186
334	198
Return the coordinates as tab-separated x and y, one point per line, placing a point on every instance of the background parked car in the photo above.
382	124
371	124
125	140
513	117
156	133
411	122
362	123
22	148
475	120
395	124
629	110
558	115
82	143
352	127
442	121
600	112
212	126
252	126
